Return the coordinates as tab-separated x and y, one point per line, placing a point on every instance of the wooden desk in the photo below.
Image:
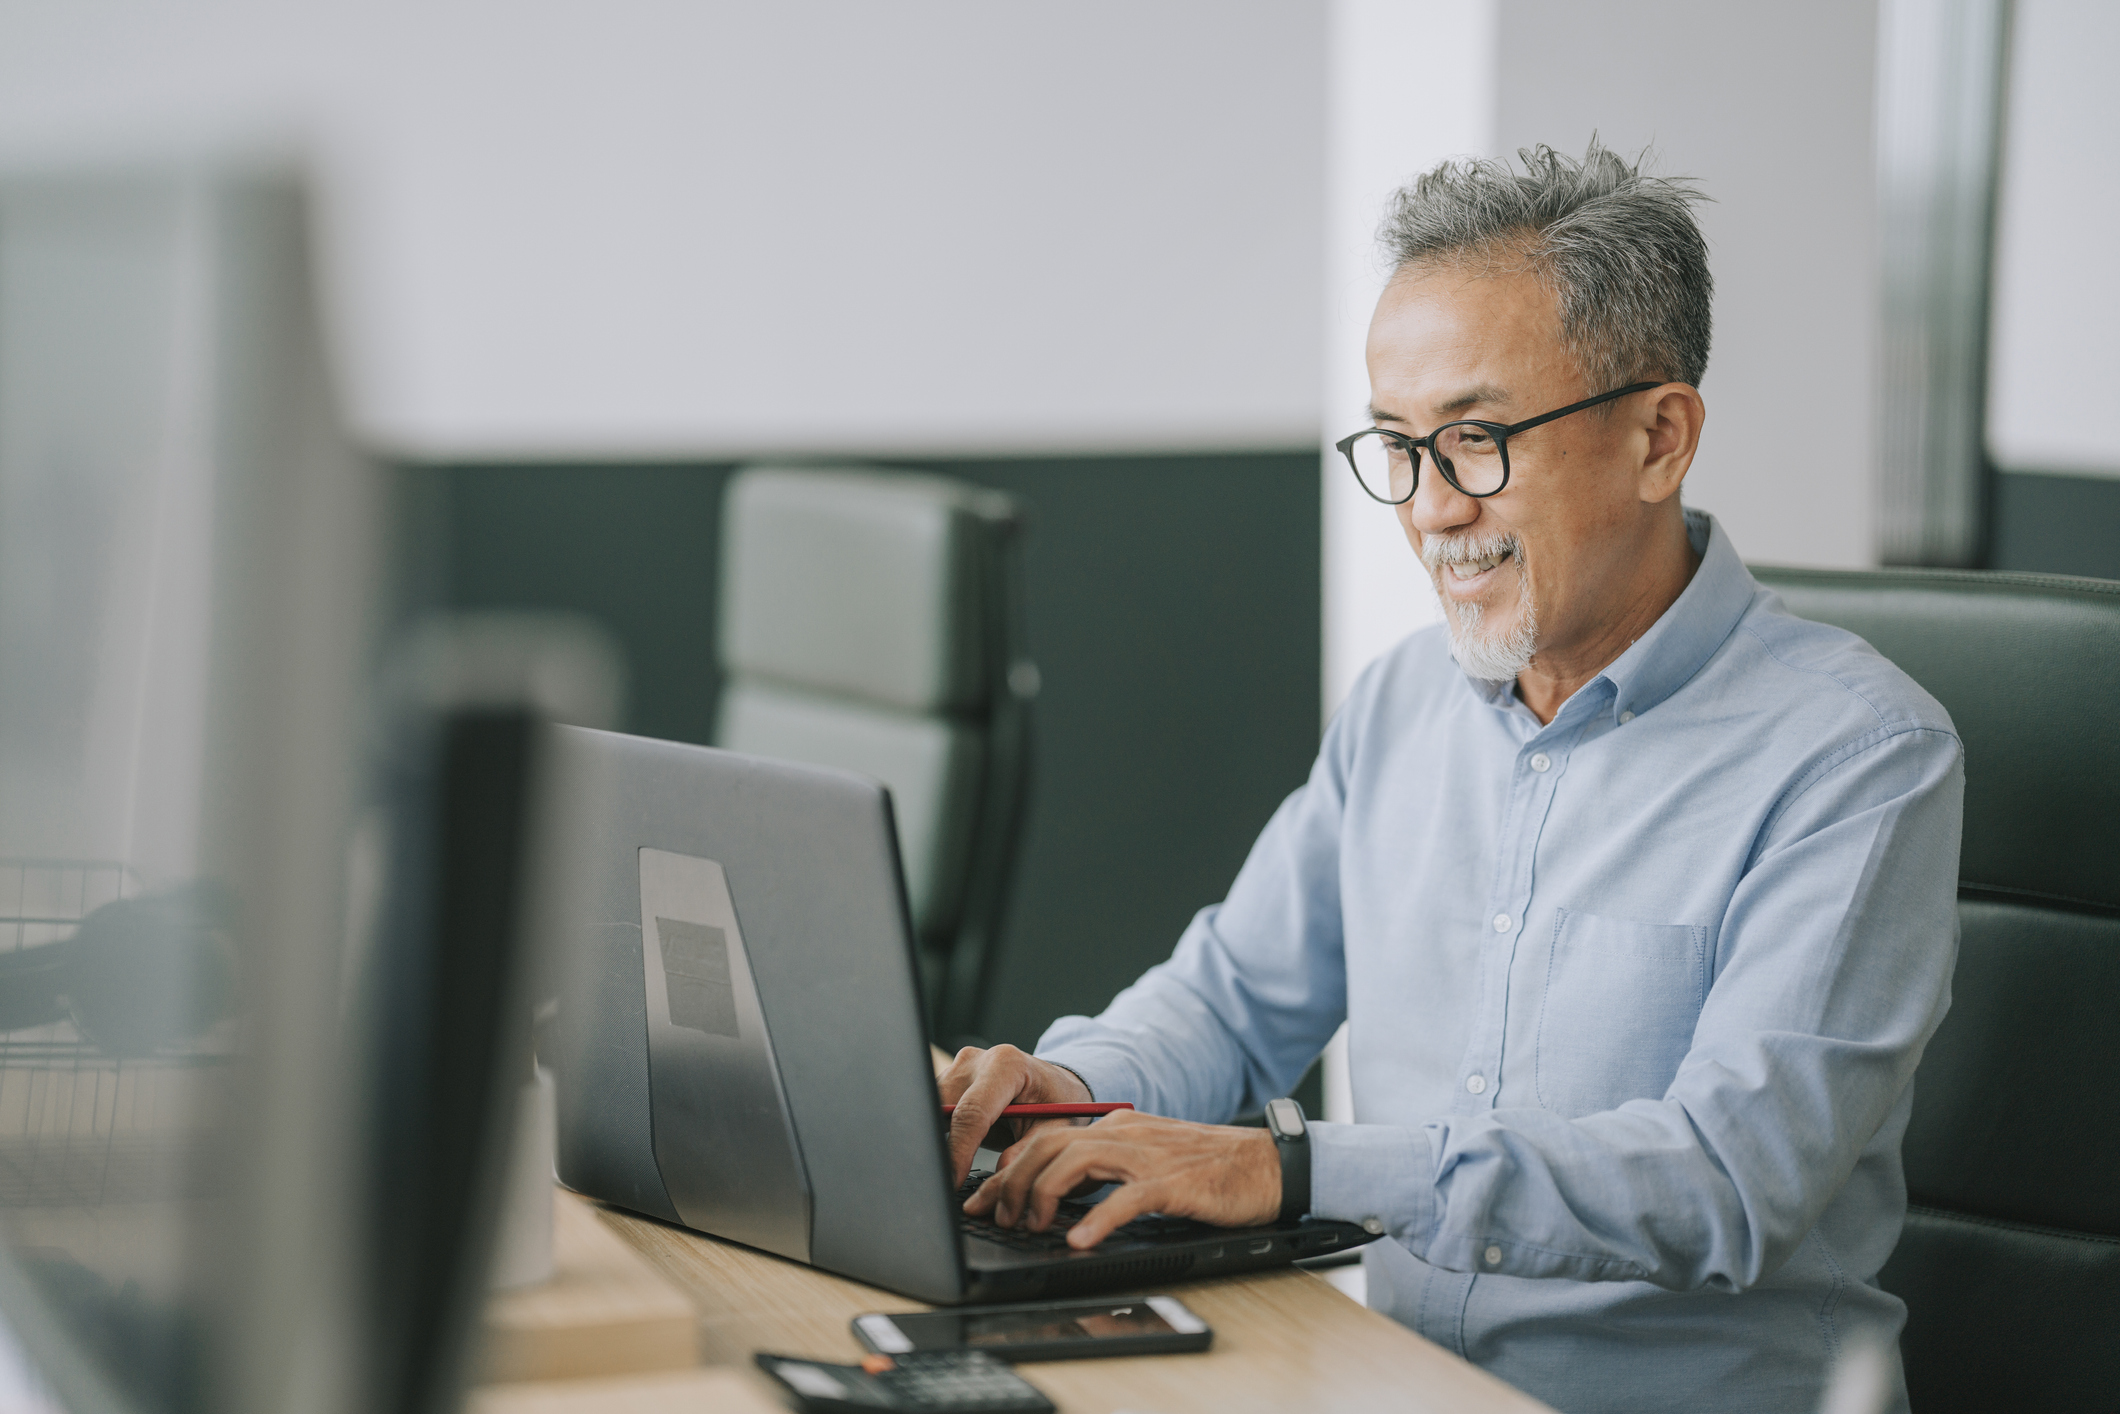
1283	1341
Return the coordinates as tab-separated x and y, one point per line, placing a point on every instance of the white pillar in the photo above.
1410	82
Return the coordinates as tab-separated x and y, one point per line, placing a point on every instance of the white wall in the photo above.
1771	108
2055	357
1395	110
654	226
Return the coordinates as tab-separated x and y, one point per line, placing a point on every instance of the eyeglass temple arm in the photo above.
1346	444
1545	417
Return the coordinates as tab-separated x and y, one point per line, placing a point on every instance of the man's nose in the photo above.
1437	506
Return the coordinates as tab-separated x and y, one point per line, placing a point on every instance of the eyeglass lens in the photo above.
1468	454
1385	465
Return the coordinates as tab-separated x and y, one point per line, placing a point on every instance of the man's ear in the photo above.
1673	421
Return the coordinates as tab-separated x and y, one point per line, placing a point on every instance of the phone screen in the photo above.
1059	1324
1080	1323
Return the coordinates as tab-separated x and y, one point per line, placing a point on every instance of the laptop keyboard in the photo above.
1152	1227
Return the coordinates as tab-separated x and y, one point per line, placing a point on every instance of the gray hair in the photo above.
1619	249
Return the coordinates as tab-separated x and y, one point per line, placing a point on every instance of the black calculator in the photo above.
917	1382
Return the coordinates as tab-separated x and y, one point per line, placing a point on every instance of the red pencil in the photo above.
1055	1111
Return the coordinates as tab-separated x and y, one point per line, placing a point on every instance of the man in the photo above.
1639	912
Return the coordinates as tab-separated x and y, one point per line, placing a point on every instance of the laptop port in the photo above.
1262	1247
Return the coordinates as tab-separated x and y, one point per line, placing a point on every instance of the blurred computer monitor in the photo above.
200	1204
188	575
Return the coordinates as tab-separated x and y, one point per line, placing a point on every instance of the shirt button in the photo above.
1372	1226
1477	1084
1625	717
1493	1256
1541	761
1501	922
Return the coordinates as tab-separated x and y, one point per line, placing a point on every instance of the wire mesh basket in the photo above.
82	1126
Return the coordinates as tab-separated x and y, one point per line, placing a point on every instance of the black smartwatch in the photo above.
1291	1135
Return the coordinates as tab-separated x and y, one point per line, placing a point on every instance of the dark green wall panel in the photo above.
2057	524
631	546
1174	614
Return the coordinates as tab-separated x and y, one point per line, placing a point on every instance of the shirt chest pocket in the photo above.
1617	1017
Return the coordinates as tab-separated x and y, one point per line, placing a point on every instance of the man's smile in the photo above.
1466	566
1471	575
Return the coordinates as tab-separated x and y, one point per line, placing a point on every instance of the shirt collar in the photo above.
1665	658
1676	646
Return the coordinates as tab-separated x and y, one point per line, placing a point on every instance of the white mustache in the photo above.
1465	548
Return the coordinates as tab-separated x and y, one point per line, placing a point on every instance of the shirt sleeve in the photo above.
1833	969
1257	984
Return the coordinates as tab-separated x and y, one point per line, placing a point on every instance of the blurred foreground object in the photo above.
1859	1382
451	977
873	621
140	975
189	595
606	1309
2010	1260
225	1184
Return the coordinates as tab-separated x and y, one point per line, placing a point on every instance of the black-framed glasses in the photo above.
1473	456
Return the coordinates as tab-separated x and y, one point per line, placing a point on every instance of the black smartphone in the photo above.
1043	1330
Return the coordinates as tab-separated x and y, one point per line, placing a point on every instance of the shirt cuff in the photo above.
1110	1078
1380	1176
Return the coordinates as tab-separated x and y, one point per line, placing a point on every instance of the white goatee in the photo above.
1483	653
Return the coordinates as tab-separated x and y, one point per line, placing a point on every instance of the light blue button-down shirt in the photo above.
1634	999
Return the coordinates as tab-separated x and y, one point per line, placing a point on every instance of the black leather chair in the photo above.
2010	1263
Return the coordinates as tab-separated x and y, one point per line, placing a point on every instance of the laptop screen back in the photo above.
711	892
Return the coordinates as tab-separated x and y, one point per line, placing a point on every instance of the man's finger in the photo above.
979	1105
1021	1164
1008	1191
953	1077
967	1132
1044	1169
1125	1203
1091	1157
1008	1133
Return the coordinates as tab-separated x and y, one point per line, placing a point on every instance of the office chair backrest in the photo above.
2010	1263
870	620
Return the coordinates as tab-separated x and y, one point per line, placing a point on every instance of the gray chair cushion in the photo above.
931	765
856	583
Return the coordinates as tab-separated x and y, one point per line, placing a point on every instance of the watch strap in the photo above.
1294	1150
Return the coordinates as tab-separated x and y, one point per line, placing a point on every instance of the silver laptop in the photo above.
739	1046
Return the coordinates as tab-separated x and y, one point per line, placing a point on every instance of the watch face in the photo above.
1285	1117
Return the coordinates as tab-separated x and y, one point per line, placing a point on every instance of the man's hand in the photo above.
1218	1174
983	1083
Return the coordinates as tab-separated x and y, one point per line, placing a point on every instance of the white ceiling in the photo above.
650	227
